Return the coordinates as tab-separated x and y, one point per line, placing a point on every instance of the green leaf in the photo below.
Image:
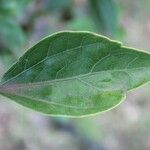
105	15
11	35
12	7
7	7
75	74
78	24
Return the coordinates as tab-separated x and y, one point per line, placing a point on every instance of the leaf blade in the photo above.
76	69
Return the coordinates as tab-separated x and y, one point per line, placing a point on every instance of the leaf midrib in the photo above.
48	82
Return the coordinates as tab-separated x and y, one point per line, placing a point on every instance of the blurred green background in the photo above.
23	23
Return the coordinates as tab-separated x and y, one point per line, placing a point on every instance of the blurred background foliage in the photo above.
23	23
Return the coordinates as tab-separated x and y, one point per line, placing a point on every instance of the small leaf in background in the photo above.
78	24
12	7
7	7
11	35
75	74
105	15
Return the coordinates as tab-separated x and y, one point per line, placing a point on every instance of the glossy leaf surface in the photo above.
75	74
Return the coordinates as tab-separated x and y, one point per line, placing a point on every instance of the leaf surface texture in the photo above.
75	74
